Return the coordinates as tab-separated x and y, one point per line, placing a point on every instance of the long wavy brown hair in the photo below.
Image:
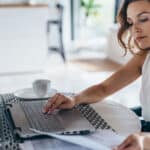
126	43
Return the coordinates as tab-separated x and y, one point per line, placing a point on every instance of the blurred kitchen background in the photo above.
71	42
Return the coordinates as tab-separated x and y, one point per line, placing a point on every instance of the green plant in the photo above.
90	6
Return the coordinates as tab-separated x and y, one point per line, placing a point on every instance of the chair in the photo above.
58	23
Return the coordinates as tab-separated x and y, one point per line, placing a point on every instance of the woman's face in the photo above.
138	18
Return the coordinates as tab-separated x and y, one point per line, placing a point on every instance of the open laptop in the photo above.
27	115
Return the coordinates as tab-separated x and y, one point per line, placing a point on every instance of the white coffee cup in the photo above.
41	87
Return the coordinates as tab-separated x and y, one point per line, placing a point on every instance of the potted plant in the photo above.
90	8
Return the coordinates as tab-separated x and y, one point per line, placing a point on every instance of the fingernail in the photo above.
49	112
43	110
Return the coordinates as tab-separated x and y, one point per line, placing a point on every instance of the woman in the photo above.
135	17
134	34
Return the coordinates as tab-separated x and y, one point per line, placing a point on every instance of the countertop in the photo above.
22	5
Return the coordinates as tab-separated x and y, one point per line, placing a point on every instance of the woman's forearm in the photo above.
91	95
115	82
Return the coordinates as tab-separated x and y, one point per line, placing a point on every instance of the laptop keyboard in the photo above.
93	117
38	120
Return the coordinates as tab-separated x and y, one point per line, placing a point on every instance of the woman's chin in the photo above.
144	48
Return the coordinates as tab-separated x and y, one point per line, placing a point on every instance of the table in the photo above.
119	117
122	119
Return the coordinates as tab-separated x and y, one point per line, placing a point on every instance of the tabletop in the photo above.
122	119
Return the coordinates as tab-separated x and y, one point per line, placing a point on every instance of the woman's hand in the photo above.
133	142
59	101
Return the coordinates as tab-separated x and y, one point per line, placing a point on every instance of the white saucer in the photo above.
27	93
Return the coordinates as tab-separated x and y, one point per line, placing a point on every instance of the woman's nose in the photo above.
136	28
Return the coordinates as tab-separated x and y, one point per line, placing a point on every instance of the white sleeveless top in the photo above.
145	89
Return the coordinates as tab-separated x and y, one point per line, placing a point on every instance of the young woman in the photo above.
133	35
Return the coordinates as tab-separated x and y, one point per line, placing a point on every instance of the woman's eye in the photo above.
143	19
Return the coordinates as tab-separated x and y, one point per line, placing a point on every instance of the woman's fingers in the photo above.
50	103
58	101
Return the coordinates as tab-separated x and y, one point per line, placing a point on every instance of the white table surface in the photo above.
122	119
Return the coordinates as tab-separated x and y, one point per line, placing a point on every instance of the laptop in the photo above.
23	116
27	115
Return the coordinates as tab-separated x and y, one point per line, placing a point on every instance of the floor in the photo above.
75	75
96	64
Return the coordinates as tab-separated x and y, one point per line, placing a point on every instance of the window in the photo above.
98	17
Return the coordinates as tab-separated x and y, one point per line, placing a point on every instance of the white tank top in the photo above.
145	89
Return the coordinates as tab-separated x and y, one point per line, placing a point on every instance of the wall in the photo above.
114	50
66	24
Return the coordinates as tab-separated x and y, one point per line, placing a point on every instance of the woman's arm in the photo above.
124	76
127	74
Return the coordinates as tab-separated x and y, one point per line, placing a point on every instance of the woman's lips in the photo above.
138	39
